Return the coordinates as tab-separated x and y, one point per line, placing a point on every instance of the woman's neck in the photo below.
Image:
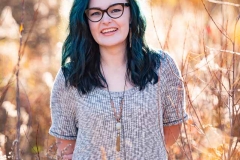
114	67
113	57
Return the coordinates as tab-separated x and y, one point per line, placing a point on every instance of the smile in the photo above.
109	30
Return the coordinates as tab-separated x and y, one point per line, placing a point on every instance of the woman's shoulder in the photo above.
162	57
60	82
167	62
165	57
59	78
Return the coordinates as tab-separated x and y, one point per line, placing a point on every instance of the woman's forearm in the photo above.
171	134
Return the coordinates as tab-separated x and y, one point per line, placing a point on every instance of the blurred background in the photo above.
202	35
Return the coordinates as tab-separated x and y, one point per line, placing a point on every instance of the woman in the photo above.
114	98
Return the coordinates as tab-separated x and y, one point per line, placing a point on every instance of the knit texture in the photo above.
89	119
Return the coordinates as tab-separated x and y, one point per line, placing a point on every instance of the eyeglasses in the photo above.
114	11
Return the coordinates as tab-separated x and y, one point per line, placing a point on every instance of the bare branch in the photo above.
17	83
155	26
226	51
225	35
224	3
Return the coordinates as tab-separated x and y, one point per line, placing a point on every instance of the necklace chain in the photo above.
117	116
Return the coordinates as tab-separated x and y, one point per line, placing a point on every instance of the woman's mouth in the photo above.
108	31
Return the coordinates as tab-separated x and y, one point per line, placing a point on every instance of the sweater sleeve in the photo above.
63	113
173	95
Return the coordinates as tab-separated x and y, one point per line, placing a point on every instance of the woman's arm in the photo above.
171	134
65	148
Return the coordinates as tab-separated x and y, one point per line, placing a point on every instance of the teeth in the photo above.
109	30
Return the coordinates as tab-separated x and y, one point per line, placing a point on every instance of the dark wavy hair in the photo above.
81	55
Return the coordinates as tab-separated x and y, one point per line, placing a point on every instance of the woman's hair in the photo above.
83	70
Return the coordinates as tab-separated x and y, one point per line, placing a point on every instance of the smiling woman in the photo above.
108	33
116	98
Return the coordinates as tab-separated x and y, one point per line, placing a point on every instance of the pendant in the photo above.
118	127
118	142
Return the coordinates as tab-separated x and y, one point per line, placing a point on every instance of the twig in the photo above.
165	46
221	50
4	93
37	142
213	73
31	29
234	149
184	45
233	90
224	3
203	89
225	35
50	151
185	130
29	111
237	101
155	26
194	70
17	88
21	53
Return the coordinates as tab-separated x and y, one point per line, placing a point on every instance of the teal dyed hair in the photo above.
83	70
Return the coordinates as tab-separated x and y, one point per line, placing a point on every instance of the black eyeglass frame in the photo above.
106	10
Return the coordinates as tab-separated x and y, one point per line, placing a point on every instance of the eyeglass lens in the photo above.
114	11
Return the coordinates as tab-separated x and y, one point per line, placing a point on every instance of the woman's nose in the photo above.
106	18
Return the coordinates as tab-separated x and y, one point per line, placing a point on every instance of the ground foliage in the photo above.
203	36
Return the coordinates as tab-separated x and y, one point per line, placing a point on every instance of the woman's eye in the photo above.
95	14
116	10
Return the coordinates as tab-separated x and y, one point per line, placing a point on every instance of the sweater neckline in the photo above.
117	93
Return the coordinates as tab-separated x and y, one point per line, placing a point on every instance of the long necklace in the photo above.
117	116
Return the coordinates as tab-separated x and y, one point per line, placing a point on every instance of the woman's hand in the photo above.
67	157
65	148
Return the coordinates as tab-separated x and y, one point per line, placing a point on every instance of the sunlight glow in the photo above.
10	108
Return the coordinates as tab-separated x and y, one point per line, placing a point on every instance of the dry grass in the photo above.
203	37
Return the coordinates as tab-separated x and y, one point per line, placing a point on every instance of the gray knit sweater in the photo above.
89	119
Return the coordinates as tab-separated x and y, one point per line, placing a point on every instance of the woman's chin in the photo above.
112	44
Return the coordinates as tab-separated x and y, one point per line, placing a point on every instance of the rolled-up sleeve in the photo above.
63	112
173	97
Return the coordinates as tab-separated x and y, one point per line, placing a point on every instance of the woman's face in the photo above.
109	31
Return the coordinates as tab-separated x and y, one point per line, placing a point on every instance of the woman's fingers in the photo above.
67	157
